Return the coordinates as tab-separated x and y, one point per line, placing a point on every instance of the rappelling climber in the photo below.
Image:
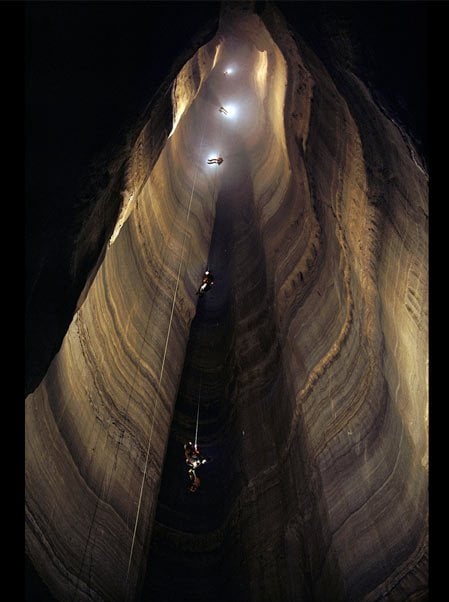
223	110
206	284
217	160
194	460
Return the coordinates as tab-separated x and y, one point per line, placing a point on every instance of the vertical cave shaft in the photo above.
309	355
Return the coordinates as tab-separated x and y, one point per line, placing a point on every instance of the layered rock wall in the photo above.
309	355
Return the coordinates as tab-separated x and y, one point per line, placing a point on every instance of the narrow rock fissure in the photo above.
189	527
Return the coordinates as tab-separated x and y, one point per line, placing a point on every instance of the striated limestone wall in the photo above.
311	350
96	427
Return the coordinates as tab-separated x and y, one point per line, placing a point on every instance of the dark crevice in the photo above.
35	588
188	552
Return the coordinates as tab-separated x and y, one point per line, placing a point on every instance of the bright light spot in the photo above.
229	70
232	111
213	154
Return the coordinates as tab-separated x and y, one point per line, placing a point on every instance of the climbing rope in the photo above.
97	504
198	413
163	365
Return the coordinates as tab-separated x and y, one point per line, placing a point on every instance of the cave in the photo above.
302	373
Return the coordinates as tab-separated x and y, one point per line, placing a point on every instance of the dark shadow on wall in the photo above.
191	556
386	44
35	588
186	557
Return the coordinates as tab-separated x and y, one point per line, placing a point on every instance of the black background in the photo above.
91	68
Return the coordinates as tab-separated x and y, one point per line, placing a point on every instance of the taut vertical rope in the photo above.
162	369
198	414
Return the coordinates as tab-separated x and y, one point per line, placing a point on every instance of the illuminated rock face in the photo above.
308	357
